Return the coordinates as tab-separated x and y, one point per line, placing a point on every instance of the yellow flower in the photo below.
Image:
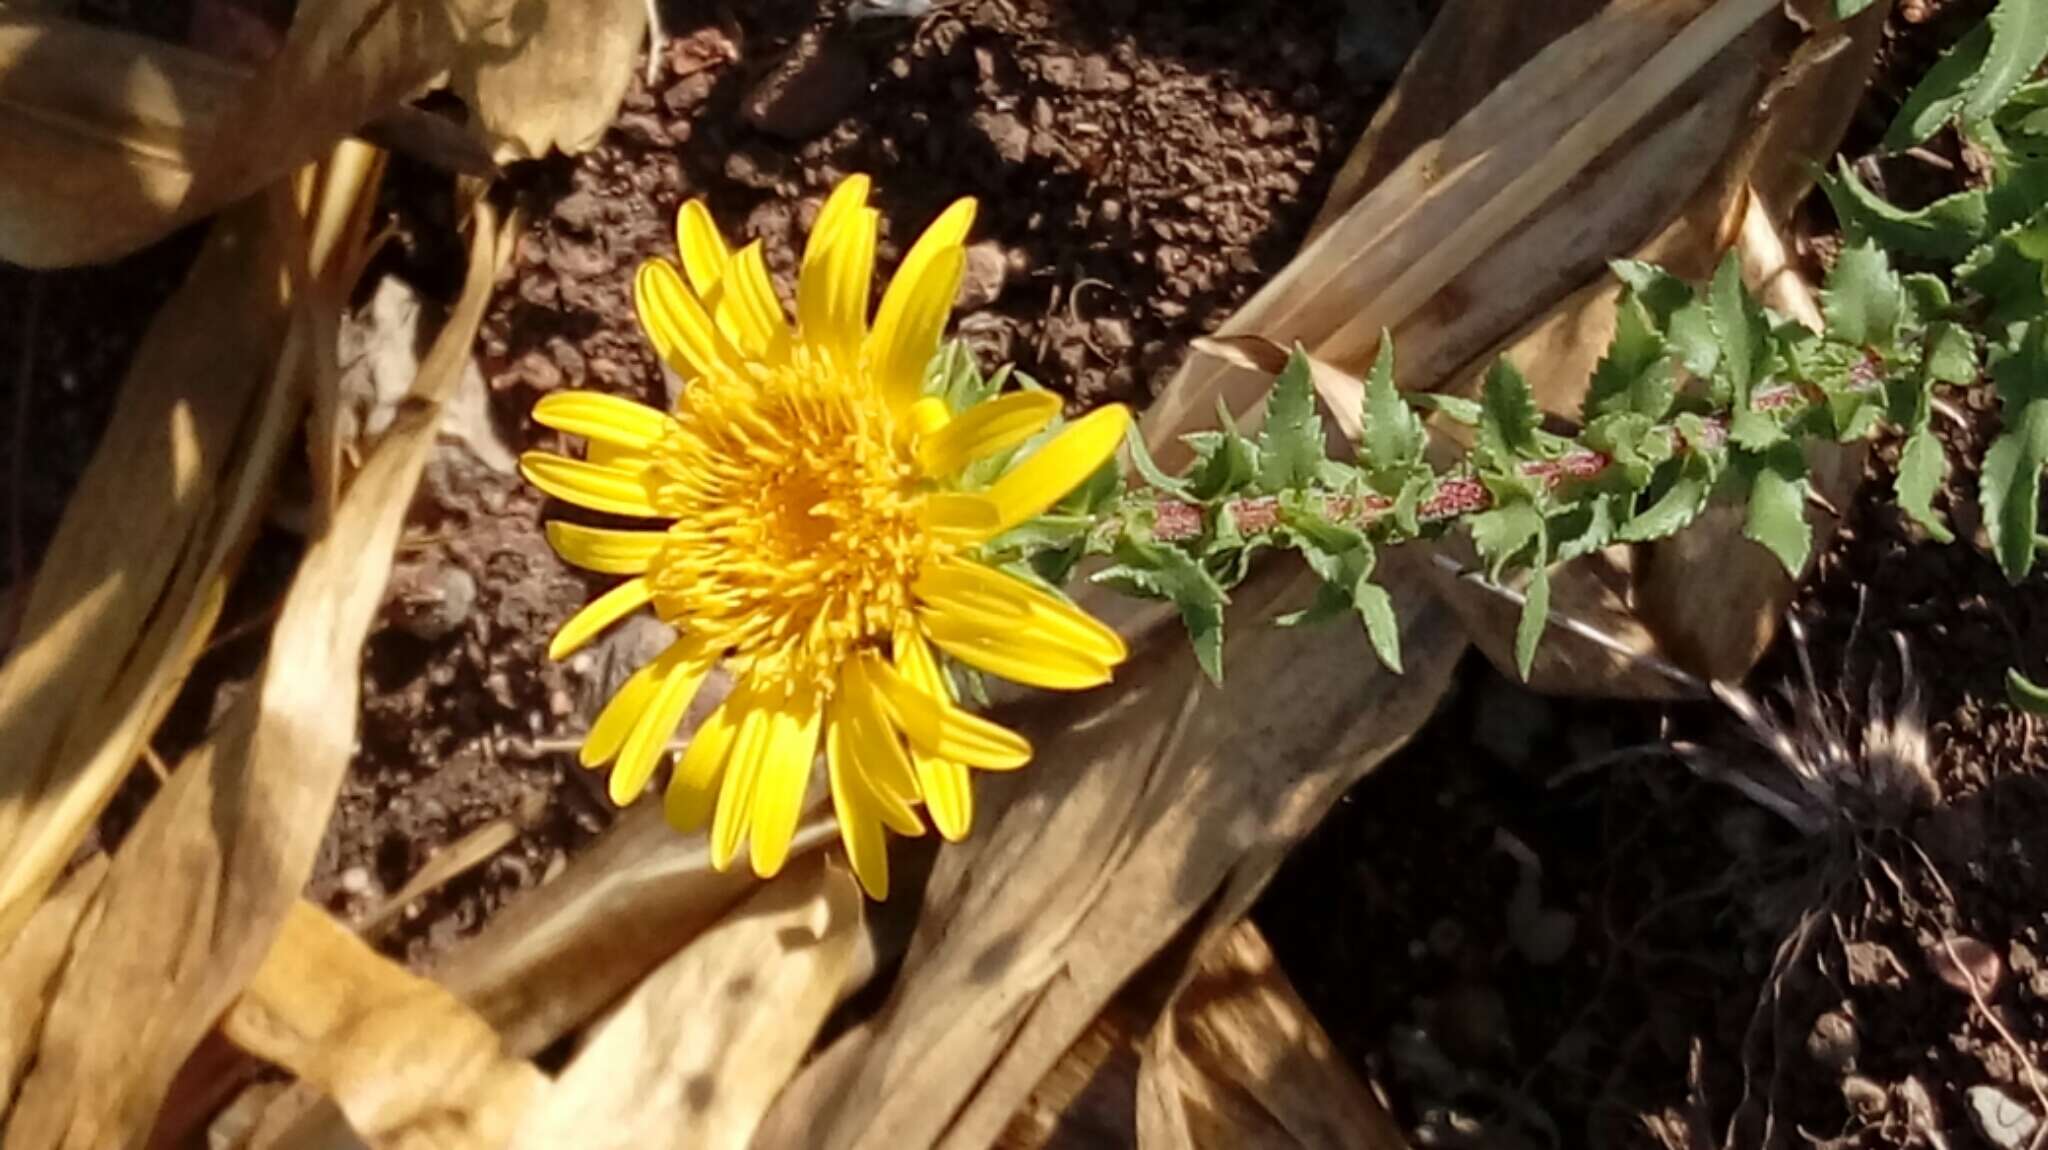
815	541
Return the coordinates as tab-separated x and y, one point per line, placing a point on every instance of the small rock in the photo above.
1007	135
642	129
1873	964
432	598
1863	1096
356	881
1966	964
2003	1120
580	211
1833	1041
812	87
573	260
1921	1112
982	282
1112	336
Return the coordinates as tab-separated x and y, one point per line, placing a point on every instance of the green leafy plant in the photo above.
1705	396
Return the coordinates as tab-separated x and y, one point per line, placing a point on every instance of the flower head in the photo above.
812	534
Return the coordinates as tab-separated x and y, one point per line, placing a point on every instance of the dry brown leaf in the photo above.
409	1065
110	142
1238	1060
554	958
135	576
30	964
214	866
700	1048
1472	46
1392	255
96	131
563	86
1157	803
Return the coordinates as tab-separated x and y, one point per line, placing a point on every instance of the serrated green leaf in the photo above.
1864	301
1741	330
1535	617
1754	430
1376	611
2011	481
1951	354
1503	532
1291	443
1945	230
1455	408
1777	505
1148	468
2010	491
2019	42
1582	529
1927	298
1508	418
2011	272
2024	694
1635	376
1922	466
1684	497
1936	99
1155	570
1394	437
1225	461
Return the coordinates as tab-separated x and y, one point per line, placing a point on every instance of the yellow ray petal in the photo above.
677	324
603	549
948	793
658	722
693	788
878	753
622	712
860	827
1019	657
889	346
616	457
748	309
975	593
602	418
937	727
832	293
901	350
702	248
598	614
985	429
847	200
959	517
736	796
785	775
606	489
1045	477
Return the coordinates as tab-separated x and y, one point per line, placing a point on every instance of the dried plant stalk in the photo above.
1238	1060
137	572
699	1049
214	866
410	1065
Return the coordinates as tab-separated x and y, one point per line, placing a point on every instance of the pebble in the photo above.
1965	963
812	87
1833	1041
986	272
1863	1096
1007	135
355	880
2004	1121
431	600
